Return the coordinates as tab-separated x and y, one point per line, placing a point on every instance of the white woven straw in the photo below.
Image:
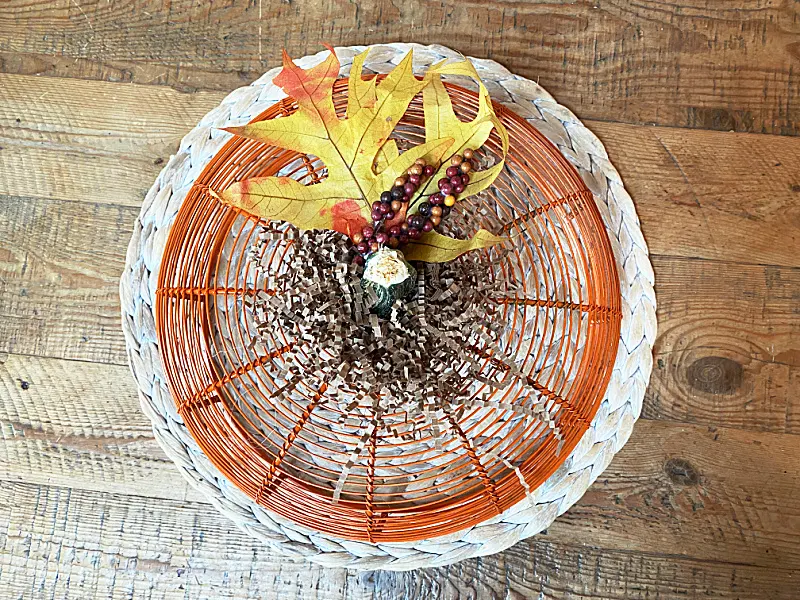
610	428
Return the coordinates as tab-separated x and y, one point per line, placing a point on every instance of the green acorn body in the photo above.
391	276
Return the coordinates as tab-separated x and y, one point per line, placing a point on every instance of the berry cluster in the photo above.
395	201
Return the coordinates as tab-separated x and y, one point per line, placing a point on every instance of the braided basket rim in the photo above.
610	428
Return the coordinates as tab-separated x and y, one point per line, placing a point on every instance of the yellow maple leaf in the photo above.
441	121
348	147
435	247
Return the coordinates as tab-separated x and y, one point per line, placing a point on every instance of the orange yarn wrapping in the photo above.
199	293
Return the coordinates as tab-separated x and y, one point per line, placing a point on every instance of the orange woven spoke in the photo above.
539	210
259	362
188	292
273	468
370	510
559	315
558	304
473	457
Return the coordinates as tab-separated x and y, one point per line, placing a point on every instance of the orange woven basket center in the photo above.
286	451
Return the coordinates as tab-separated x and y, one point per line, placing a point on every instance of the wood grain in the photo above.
73	544
79	424
699	194
60	264
709	65
728	349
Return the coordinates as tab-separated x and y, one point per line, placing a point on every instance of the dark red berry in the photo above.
446	188
427	226
410	188
414	233
397	192
384	208
414	179
386	197
442	181
376	205
465	178
436	199
428	171
362	247
381	237
452	171
455	180
367	231
377	215
406	198
458	188
389	216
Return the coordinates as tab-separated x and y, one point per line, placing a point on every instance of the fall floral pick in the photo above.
373	193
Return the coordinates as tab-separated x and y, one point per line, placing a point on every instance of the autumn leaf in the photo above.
441	121
434	247
349	147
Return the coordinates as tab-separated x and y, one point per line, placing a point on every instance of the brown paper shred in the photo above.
404	375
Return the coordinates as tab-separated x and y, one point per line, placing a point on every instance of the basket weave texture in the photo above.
608	431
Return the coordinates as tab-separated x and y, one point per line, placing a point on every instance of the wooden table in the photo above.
698	104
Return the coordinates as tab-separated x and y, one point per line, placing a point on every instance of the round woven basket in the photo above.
500	477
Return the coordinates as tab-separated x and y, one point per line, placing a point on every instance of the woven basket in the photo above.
475	504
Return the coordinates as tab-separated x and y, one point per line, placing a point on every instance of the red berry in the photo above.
458	188
414	233
376	205
362	247
410	188
427	226
384	208
377	215
367	231
455	180
413	179
394	230
442	181
381	237
428	171
446	189
436	199
452	171
406	198
465	178
389	216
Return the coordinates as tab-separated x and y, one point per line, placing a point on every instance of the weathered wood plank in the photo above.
699	194
145	122
723	494
724	196
60	264
72	544
541	570
74	423
711	66
728	349
64	543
